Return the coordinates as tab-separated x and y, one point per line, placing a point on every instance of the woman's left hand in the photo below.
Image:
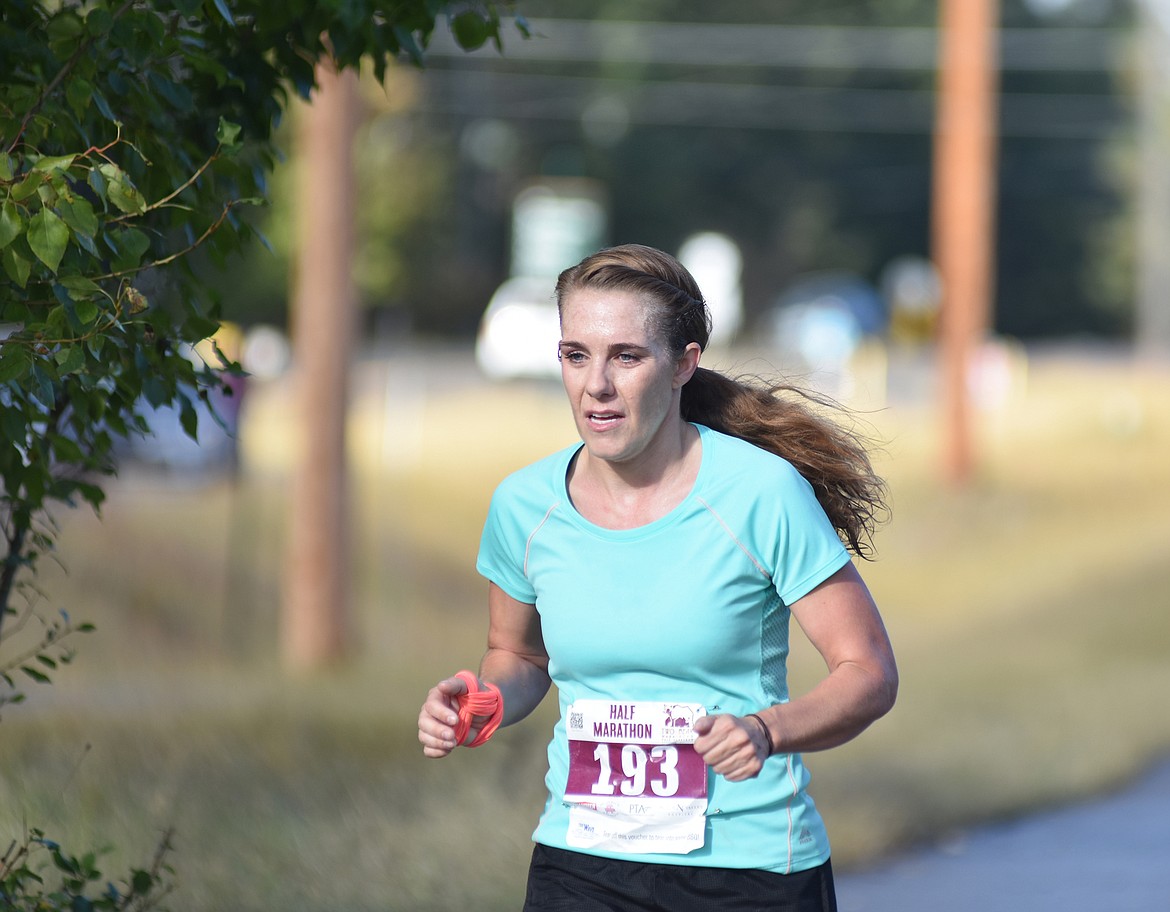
733	747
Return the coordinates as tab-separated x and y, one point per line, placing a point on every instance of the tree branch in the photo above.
53	83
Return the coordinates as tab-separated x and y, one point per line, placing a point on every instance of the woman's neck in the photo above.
625	495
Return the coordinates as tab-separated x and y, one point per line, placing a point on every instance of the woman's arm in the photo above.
515	661
841	620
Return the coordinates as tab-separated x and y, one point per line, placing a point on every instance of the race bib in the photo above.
636	783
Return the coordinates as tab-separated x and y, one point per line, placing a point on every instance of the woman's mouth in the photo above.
602	420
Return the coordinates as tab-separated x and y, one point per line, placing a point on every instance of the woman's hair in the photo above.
779	418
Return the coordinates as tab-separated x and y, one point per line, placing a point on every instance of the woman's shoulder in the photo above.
546	472
758	492
732	454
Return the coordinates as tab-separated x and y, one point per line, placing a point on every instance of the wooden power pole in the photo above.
315	610
1152	317
963	218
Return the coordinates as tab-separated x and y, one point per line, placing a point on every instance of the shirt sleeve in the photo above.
808	549
502	546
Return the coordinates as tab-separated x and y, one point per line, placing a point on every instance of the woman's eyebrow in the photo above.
629	346
613	347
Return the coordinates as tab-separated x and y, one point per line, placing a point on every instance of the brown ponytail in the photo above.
785	420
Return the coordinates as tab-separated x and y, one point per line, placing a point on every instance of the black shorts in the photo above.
560	881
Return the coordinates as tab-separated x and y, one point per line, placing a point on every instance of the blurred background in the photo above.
785	151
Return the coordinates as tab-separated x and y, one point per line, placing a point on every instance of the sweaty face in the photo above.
621	380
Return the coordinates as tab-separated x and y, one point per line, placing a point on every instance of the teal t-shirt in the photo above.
691	608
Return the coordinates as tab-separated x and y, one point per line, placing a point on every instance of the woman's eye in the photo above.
627	358
573	357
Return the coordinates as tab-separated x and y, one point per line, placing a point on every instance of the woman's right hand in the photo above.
437	718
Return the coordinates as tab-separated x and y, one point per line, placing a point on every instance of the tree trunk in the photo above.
964	211
315	613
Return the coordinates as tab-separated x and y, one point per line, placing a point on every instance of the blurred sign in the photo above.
556	223
913	293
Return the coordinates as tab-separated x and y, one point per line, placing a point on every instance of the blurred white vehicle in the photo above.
520	331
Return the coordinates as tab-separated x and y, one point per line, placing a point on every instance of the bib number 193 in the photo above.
636	768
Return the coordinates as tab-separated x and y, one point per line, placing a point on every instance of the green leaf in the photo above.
98	184
122	192
56	320
78	92
470	30
37	676
176	93
189	418
17	267
225	11
41	384
11	223
51	163
28	186
154	391
118	83
141	881
70	360
67	450
79	216
102	105
200	327
63	29
406	41
132	244
87	244
13	423
86	311
48	236
14	363
6	172
80	288
99	21
94	497
228	133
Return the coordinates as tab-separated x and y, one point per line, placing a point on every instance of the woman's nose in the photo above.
598	383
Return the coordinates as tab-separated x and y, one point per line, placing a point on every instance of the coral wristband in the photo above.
477	702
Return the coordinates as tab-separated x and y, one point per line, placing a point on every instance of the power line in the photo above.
682	103
909	48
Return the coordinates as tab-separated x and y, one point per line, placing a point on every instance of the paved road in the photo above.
1109	855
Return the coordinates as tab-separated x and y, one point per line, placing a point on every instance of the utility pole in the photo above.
963	218
1152	315
315	609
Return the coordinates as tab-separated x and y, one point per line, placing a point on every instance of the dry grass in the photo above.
1028	612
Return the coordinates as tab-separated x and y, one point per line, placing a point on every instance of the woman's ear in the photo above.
687	364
